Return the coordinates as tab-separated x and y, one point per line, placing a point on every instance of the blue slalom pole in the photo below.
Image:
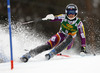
10	34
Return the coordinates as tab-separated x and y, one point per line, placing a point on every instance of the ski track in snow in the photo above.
75	64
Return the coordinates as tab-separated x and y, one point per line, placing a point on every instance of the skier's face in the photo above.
71	16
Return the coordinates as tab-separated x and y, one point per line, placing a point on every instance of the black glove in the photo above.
83	49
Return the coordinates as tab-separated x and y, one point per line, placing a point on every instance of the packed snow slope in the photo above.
74	64
24	39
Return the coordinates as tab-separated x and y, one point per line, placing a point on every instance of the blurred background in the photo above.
27	10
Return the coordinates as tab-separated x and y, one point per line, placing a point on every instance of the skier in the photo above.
70	25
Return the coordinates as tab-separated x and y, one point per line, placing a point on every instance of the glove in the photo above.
83	51
49	17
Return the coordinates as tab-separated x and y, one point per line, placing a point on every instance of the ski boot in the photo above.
50	55
25	57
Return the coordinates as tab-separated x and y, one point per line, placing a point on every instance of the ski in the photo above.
63	55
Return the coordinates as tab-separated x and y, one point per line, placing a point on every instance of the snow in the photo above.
75	64
23	40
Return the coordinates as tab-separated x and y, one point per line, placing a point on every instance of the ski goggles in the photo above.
71	12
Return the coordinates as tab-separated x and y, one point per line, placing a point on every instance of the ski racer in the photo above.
70	25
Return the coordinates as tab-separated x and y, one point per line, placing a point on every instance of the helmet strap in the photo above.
71	19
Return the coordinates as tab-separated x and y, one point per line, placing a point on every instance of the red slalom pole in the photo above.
63	55
12	65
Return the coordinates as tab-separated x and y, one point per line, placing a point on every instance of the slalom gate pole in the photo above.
10	34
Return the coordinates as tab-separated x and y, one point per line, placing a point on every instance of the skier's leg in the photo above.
35	52
55	40
70	45
60	47
39	49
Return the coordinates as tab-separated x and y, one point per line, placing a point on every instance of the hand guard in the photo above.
49	17
83	51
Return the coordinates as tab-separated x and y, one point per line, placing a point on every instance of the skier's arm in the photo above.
59	17
82	34
51	17
83	39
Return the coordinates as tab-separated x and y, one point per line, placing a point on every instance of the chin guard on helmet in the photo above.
71	9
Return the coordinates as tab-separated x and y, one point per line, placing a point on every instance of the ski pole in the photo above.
10	34
32	21
48	17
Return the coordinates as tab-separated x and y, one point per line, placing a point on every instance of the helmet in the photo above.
71	9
